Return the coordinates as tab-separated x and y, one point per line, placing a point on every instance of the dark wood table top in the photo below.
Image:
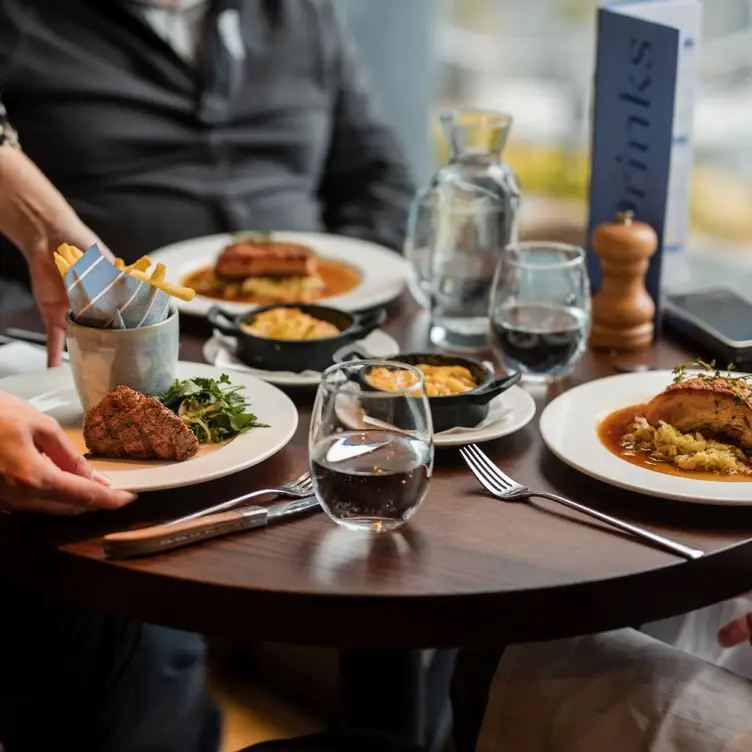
468	570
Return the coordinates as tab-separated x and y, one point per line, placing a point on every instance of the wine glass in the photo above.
540	309
371	444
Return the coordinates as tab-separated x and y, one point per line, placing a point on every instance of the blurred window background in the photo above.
534	59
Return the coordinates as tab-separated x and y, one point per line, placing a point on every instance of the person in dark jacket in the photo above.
163	120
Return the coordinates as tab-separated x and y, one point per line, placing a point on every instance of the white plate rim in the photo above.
617	392
236	457
385	272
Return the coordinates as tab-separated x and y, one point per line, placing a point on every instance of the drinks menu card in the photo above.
645	81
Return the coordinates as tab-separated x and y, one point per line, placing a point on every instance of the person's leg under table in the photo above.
471	685
75	679
385	690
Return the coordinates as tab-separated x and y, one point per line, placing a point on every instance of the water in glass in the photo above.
459	224
540	309
371	450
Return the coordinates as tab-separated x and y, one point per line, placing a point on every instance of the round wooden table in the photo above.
468	570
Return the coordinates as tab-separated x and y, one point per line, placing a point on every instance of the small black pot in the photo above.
451	410
295	355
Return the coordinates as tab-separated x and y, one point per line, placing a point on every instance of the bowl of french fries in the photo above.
122	327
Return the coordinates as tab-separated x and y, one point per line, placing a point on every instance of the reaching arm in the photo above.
366	188
36	218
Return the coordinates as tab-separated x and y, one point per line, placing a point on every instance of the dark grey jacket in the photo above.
111	114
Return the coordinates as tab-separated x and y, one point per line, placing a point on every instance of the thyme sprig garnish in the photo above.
711	372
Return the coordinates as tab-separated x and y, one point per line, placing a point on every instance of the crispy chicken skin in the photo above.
717	406
129	424
268	259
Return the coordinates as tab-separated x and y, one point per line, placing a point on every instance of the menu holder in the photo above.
645	81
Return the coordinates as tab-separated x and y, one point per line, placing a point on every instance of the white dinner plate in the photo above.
516	404
384	273
569	426
219	350
53	392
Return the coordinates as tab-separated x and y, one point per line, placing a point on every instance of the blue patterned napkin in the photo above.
104	297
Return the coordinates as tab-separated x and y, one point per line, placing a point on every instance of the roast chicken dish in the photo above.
720	407
699	426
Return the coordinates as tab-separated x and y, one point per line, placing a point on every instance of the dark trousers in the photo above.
74	679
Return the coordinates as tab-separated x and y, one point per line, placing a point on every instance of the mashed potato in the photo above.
688	451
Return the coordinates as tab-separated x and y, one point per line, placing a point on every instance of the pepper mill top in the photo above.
624	238
623	311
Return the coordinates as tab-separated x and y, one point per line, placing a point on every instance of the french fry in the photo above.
68	252
157	279
119	264
138	274
186	294
140	266
62	265
158	274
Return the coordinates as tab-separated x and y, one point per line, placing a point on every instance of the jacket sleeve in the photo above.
366	188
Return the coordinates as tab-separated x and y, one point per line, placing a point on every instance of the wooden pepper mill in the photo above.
622	310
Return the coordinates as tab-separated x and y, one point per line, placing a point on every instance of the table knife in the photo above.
159	538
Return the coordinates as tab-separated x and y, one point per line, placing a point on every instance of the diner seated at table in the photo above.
247	115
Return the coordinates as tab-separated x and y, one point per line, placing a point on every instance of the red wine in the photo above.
539	338
371	479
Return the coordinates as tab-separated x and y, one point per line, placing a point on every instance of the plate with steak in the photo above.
247	270
684	434
206	426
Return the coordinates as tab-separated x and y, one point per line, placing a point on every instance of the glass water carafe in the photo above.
459	225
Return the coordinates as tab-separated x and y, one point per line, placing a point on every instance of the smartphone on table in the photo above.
718	319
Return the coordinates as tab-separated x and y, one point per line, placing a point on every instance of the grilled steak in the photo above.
716	406
265	259
132	425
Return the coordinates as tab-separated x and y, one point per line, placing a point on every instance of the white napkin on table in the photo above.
615	692
21	357
497	412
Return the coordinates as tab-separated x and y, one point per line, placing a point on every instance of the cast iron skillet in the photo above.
295	355
466	409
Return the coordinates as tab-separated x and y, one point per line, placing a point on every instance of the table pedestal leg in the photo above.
384	690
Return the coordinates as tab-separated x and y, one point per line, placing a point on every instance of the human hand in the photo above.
47	285
62	482
736	632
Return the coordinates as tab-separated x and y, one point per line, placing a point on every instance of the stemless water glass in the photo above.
371	444
540	309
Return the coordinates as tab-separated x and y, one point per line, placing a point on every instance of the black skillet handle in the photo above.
350	352
367	322
222	320
494	388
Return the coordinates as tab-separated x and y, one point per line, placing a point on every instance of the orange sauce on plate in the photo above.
611	430
337	276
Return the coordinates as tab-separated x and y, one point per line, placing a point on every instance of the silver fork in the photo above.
501	486
298	488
